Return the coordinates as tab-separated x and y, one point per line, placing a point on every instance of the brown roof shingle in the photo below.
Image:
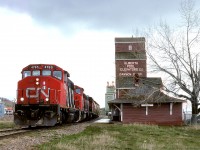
156	97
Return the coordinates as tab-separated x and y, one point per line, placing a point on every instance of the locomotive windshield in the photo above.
46	72
56	74
36	73
26	74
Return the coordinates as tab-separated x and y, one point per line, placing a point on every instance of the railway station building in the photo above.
140	99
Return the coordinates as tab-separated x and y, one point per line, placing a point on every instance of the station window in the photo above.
46	72
130	47
36	73
26	74
57	74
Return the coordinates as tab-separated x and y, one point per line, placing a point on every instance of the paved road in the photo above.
104	119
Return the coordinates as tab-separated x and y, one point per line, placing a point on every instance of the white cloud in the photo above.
88	55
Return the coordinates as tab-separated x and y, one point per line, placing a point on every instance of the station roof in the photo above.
128	82
129	39
155	97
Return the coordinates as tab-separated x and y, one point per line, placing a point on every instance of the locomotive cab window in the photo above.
46	72
57	74
36	73
26	74
78	91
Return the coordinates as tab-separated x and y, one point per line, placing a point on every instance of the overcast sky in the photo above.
77	35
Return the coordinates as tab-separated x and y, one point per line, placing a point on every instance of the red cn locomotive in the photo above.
46	96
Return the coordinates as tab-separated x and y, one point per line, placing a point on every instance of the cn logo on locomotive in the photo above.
37	91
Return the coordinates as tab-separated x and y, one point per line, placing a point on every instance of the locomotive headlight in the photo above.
37	79
37	83
47	99
21	99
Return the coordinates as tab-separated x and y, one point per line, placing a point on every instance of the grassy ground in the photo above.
6	124
129	137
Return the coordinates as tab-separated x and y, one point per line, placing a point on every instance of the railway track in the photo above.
12	132
40	135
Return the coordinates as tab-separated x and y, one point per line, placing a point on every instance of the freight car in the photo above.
46	97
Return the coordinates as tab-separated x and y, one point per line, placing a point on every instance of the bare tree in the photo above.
175	52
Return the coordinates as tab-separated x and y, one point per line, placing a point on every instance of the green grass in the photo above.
128	137
7	124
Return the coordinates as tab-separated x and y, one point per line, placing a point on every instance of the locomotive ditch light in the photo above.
47	99
21	99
